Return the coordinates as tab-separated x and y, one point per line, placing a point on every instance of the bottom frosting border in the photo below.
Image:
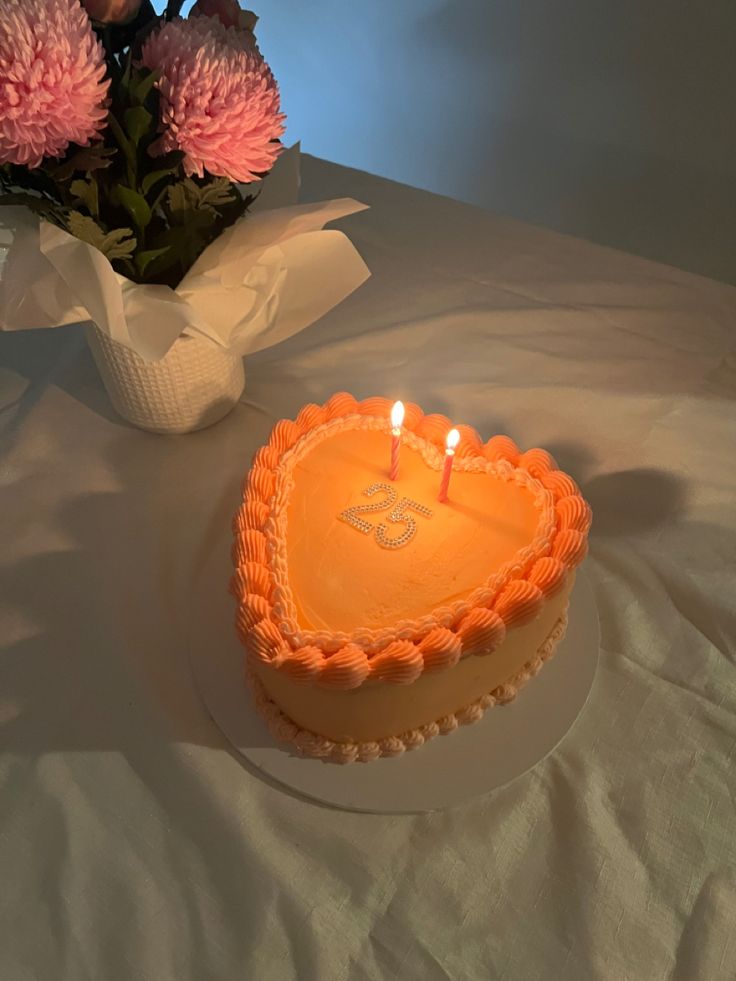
310	744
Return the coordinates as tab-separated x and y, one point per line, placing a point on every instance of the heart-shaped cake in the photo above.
376	615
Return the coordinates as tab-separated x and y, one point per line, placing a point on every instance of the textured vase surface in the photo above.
194	385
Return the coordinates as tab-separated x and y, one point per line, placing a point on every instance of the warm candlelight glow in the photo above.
453	438
397	415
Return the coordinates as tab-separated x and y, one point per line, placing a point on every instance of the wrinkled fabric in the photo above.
134	843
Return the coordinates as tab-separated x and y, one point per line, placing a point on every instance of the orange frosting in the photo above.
573	512
262	482
283	435
376	406
401	662
253	609
237	552
548	574
413	415
254	513
257	578
348	750
435	428
304	664
265	640
253	544
570	547
502	448
487	521
560	484
341	404
441	648
347	668
311	415
322	600
243	625
470	444
481	631
537	462
519	602
267	457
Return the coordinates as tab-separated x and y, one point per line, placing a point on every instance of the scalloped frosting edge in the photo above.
513	596
312	745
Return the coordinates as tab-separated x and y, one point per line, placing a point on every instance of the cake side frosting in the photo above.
377	710
312	744
268	617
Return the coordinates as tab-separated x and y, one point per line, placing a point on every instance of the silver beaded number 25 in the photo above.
397	516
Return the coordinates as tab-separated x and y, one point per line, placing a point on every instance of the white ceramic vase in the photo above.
194	385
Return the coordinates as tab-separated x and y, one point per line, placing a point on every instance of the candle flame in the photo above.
453	438
397	415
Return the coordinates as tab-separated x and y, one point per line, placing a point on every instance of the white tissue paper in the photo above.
268	276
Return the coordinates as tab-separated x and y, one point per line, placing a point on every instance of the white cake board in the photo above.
472	760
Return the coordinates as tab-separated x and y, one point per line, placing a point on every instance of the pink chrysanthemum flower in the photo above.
219	100
52	84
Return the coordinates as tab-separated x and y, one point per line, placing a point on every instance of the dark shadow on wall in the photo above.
607	121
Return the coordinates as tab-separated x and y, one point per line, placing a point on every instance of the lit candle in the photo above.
453	438
397	417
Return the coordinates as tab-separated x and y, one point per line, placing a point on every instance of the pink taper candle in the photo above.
453	438
397	417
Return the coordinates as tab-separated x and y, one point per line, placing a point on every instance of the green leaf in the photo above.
134	203
122	141
125	266
138	122
143	259
230	214
189	204
218	192
180	198
117	244
87	192
155	176
183	209
85	160
184	247
141	87
125	77
193	219
172	237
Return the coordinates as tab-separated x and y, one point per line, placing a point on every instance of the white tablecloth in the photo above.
135	845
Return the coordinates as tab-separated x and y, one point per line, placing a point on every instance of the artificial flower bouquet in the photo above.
132	145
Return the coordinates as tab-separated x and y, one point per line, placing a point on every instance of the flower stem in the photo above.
125	145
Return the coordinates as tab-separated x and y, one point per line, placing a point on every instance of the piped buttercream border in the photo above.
311	744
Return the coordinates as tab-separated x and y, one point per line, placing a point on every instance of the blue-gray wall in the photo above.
610	119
